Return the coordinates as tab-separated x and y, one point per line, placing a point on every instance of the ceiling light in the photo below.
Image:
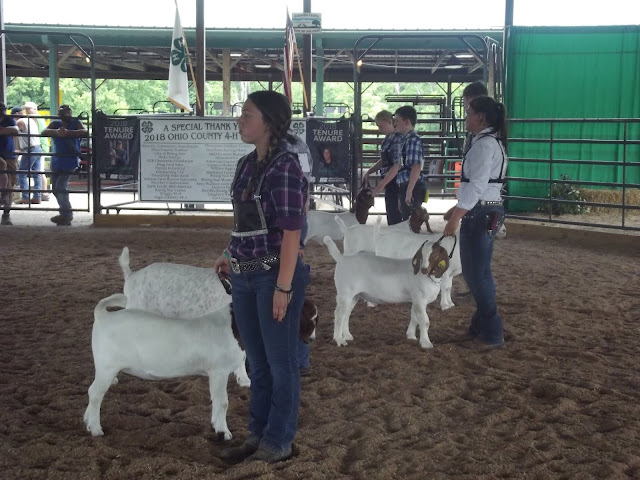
236	54
463	55
263	66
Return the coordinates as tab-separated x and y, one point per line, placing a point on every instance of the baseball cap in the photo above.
15	110
30	105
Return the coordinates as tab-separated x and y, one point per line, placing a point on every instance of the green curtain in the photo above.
577	73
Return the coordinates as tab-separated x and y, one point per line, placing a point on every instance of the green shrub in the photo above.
561	190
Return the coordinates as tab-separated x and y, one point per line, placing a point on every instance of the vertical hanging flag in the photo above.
178	81
290	41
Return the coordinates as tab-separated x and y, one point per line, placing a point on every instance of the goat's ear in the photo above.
416	261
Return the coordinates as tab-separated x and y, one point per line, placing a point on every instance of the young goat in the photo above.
153	347
322	224
384	280
395	244
182	291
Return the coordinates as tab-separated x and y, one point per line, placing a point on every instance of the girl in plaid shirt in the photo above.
268	278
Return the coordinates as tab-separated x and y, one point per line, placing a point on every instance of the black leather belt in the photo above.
490	202
264	263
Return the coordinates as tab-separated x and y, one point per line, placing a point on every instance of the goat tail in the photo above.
115	300
333	249
341	224
123	260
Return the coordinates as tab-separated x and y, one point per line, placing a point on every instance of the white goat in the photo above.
153	347
395	244
322	224
382	280
174	290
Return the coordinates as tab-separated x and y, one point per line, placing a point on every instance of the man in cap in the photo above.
65	134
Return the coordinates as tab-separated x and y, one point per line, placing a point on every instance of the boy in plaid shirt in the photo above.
411	185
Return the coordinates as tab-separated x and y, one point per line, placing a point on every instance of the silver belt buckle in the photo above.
265	266
234	265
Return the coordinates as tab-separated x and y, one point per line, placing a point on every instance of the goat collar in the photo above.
438	260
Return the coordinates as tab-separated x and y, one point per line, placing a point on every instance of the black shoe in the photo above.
305	371
6	219
269	456
239	453
61	221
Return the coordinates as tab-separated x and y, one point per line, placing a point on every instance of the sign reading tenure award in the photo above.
189	160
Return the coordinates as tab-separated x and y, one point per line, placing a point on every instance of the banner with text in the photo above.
189	160
117	147
329	142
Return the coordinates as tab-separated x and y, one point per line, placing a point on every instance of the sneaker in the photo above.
239	453
6	219
61	221
263	454
35	201
45	198
23	201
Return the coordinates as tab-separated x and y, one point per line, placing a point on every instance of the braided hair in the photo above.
494	114
276	113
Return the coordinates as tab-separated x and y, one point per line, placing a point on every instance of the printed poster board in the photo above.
189	160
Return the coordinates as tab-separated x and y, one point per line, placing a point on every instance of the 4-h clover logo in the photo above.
178	56
146	126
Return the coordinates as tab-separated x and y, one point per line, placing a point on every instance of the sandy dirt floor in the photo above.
561	400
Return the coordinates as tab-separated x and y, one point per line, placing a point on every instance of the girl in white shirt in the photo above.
481	213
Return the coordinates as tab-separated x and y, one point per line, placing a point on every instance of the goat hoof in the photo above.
95	432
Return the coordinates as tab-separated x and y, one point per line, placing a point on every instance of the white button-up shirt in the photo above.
483	161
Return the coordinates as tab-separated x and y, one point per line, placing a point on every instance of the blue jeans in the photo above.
391	203
60	187
271	351
303	348
418	194
31	162
476	250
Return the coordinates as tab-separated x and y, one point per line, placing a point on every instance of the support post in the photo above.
226	82
201	73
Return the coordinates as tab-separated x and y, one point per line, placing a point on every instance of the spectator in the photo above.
65	133
8	162
30	157
300	148
30	108
471	91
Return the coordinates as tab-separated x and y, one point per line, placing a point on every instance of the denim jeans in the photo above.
60	187
31	162
272	354
303	348
476	250
419	191
391	203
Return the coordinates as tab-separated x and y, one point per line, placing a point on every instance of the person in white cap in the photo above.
30	160
30	108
